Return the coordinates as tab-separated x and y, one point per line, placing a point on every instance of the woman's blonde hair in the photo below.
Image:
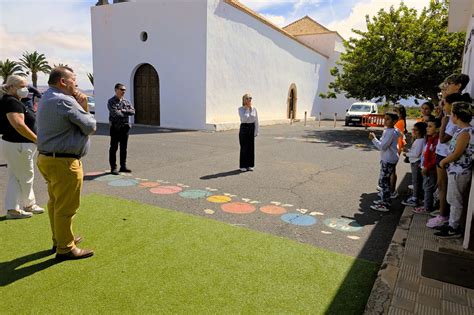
12	81
244	97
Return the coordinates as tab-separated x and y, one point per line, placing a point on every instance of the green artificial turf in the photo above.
155	260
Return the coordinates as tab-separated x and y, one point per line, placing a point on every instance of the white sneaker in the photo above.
243	169
380	207
378	188
394	195
378	201
35	209
250	169
412	201
410	187
18	214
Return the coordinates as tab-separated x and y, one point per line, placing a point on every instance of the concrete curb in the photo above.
384	286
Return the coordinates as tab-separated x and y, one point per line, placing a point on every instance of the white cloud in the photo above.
356	19
278	20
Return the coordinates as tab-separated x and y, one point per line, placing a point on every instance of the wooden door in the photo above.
146	96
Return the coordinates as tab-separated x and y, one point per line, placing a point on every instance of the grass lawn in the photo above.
150	259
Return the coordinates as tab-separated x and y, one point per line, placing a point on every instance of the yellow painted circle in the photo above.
218	199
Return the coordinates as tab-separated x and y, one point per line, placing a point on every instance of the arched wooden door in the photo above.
146	95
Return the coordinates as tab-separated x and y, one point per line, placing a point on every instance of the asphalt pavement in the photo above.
313	184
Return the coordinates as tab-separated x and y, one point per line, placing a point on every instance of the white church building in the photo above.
187	63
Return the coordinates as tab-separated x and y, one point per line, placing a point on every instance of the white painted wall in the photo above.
246	55
176	47
468	61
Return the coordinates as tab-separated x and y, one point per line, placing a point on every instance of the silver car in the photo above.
91	104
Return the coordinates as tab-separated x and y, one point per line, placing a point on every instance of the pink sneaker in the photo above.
420	210
436	221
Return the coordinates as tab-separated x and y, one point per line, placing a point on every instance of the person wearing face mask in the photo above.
19	148
64	126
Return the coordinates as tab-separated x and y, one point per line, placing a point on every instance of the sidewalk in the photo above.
400	288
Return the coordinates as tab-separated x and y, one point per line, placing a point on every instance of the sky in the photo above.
61	29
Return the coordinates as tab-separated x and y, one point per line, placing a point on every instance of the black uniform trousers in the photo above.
118	135
247	145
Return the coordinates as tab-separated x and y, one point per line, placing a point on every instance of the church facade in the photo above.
187	63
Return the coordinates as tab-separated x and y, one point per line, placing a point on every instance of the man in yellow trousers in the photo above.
64	126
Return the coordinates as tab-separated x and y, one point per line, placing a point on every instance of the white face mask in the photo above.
22	93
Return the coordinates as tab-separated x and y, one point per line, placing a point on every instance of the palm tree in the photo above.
35	62
9	67
91	78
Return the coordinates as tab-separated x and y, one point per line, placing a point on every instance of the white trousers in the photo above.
20	172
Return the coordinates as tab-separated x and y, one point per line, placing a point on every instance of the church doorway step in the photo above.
291	102
146	95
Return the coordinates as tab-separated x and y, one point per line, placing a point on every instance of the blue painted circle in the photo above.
123	182
344	225
107	178
194	194
298	219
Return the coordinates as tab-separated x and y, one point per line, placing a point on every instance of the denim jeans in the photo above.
416	180
429	186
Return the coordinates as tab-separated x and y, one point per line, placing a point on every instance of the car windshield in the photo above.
360	108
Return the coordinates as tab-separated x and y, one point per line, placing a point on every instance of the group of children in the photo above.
440	158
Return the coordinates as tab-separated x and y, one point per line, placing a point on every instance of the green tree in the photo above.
90	76
35	63
9	67
401	54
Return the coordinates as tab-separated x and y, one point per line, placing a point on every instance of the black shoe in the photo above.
449	232
124	169
114	172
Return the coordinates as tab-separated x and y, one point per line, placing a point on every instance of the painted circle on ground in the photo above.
344	225
194	194
299	219
123	182
238	207
272	209
149	184
94	173
218	199
166	190
107	178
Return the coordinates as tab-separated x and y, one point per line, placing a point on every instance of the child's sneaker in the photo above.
394	195
379	188
435	213
410	187
377	201
382	207
436	221
420	210
449	232
412	202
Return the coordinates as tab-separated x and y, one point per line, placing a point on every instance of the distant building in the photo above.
187	63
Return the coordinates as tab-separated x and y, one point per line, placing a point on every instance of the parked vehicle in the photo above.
91	104
357	110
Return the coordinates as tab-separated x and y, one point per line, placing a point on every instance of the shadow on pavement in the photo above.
104	130
385	224
345	138
10	273
223	174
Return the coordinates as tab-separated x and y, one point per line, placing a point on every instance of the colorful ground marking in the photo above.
107	178
218	199
344	225
123	182
194	194
326	232
316	213
209	211
166	190
272	209
298	219
149	184
353	237
94	173
238	207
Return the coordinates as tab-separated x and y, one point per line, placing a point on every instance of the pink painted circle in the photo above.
238	207
149	184
94	173
166	190
271	209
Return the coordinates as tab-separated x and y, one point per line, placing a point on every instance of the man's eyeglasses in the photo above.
123	90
